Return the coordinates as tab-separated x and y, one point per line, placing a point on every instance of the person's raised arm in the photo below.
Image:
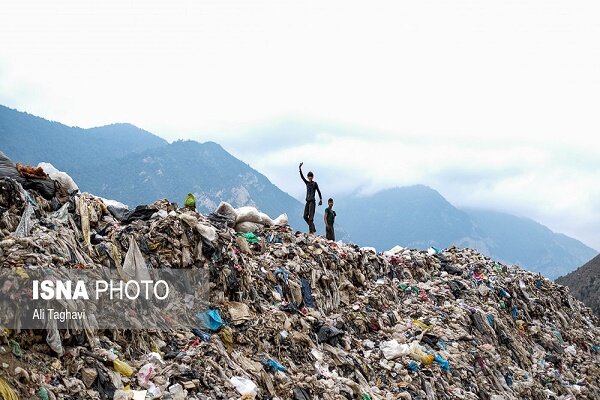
301	174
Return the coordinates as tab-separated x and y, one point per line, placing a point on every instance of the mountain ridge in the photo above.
132	165
426	219
584	283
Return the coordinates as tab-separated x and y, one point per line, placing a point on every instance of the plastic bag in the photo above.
145	374
62	177
443	362
26	222
177	392
329	334
208	231
250	237
417	353
134	266
123	368
265	219
211	319
61	216
226	210
413	366
244	386
114	203
8	169
154	391
42	393
53	338
189	219
433	250
272	365
392	349
281	220
123	395
247	227
247	214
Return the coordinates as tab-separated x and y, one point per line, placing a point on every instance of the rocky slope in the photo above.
584	283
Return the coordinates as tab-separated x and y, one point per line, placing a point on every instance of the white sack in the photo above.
62	177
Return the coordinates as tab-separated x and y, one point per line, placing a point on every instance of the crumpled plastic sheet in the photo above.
26	222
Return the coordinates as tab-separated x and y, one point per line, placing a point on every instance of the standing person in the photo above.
329	218
309	208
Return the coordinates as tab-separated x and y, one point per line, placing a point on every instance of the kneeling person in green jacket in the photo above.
329	218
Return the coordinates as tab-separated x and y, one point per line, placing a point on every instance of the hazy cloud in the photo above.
492	103
555	186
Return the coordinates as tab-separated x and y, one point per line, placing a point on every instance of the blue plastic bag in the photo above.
272	365
413	366
210	319
443	363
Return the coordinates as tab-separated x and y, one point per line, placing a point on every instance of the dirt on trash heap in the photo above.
293	316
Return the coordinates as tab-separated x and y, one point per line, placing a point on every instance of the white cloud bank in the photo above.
493	103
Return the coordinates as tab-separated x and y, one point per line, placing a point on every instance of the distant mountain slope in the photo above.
134	166
523	241
413	216
418	216
129	164
31	139
173	170
584	283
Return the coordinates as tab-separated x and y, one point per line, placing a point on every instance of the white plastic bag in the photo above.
53	338
62	177
188	219
145	374
392	349
134	265
244	386
394	251
227	210
26	222
281	220
208	231
247	227
265	219
247	214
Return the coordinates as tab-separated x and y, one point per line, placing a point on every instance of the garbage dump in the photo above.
290	316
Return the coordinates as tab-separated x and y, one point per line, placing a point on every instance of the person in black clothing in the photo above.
329	218
309	208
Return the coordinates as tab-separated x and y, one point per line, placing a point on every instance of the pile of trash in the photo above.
291	316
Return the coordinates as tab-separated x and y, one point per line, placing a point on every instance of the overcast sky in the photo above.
493	103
